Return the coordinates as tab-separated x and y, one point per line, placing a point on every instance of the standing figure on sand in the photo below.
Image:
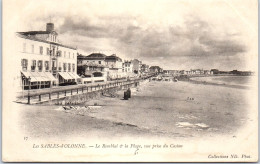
127	94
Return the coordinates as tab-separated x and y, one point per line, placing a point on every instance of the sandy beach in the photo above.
156	109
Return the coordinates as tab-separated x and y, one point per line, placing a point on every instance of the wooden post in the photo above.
29	98
71	91
49	96
39	97
82	89
77	91
58	94
65	93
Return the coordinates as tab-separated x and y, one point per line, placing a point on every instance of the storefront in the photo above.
36	80
67	78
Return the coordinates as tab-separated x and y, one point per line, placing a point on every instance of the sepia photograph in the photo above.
130	81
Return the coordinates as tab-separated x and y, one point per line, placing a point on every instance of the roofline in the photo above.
44	41
36	32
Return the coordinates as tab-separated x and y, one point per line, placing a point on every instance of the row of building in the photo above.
98	67
46	62
188	72
194	72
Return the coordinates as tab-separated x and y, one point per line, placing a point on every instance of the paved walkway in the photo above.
64	88
44	95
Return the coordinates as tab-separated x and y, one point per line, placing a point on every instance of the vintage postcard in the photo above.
130	81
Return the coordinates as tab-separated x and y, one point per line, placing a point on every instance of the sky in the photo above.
173	34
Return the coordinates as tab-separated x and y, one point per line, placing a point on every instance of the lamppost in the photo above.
50	89
23	86
29	81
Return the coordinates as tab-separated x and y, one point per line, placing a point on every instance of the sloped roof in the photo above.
155	67
113	57
97	55
36	32
32	37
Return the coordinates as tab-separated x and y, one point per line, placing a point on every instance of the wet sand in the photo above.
156	109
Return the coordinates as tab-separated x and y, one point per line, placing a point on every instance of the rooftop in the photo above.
34	32
97	55
113	57
27	35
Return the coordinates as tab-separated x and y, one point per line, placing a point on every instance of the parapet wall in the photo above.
83	97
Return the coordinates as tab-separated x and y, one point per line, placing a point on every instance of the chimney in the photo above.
50	27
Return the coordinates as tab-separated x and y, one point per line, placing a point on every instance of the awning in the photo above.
39	77
43	76
71	75
74	75
28	74
65	75
50	76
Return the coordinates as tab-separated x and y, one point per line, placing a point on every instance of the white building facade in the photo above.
44	61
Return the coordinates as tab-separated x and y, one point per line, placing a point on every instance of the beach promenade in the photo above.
59	92
156	109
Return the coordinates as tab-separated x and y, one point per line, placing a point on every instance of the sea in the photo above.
248	81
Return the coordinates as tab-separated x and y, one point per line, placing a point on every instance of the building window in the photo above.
41	50
58	52
99	62
47	51
64	67
40	65
24	47
73	67
46	65
24	63
69	67
32	48
33	65
60	66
